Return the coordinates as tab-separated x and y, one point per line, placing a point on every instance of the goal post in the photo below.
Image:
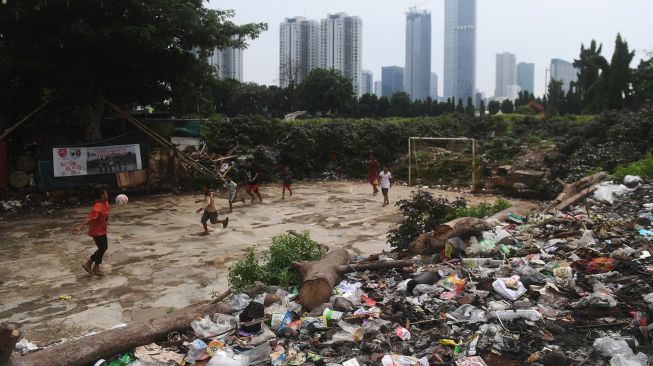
412	145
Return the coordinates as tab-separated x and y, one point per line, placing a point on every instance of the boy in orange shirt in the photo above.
97	221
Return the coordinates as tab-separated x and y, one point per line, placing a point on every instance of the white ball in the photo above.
121	199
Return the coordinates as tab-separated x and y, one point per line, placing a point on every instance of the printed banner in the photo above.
73	161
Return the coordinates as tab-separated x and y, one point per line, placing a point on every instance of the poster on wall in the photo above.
74	161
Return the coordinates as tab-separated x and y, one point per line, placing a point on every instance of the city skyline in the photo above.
532	39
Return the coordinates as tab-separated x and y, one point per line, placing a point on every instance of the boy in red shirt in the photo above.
97	229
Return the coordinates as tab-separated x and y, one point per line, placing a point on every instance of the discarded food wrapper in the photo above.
453	283
510	288
601	265
402	333
65	297
332	314
644	232
470	361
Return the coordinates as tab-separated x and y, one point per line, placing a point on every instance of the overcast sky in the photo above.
534	30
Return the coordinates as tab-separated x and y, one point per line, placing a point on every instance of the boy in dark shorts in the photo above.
210	211
97	221
287	181
253	181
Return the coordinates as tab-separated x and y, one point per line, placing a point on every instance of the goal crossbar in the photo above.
464	139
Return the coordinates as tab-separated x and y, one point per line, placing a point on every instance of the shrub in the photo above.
275	268
642	167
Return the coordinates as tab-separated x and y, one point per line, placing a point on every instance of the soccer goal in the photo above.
433	159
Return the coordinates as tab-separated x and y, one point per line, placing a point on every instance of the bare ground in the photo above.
157	262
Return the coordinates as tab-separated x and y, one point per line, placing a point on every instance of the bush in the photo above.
422	213
275	268
642	167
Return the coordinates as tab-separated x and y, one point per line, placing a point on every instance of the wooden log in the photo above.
573	189
434	241
87	350
371	266
319	277
9	336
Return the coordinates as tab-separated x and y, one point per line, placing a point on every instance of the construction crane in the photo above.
413	8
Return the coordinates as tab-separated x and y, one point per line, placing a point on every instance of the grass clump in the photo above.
422	212
274	268
642	167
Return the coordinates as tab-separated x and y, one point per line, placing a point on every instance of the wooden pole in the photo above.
409	163
473	166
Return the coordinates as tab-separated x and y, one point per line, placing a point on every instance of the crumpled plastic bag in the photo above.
607	191
468	313
206	328
399	360
622	354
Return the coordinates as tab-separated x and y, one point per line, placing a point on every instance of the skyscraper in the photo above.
341	46
506	74
564	71
418	54
368	82
459	48
526	76
228	63
298	49
434	86
392	80
378	86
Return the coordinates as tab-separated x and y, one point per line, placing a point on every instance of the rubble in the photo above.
573	287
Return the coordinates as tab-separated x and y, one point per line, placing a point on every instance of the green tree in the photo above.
481	108
400	104
367	105
250	98
507	106
589	86
469	109
131	53
459	106
555	97
643	82
383	107
326	91
494	107
620	76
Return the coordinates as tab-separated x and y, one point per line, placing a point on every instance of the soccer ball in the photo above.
121	200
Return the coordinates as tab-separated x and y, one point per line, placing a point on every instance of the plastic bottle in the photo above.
332	314
482	262
352	329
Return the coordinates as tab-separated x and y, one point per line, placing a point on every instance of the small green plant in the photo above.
642	167
276	267
170	310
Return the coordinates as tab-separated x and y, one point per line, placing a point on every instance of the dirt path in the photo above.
157	262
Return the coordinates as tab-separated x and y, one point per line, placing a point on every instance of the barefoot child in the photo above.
232	192
210	211
287	181
373	173
97	229
253	181
386	182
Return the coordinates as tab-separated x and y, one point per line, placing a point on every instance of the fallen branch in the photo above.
87	350
574	192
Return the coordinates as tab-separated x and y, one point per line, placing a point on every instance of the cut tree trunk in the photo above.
434	241
9	336
574	192
91	110
321	276
87	350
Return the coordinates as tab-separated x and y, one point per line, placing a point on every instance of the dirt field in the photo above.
156	261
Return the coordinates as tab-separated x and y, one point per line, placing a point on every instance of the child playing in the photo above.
386	177
286	176
232	192
210	211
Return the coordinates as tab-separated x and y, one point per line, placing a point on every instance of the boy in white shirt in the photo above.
386	182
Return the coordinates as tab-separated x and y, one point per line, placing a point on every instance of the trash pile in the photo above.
557	288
